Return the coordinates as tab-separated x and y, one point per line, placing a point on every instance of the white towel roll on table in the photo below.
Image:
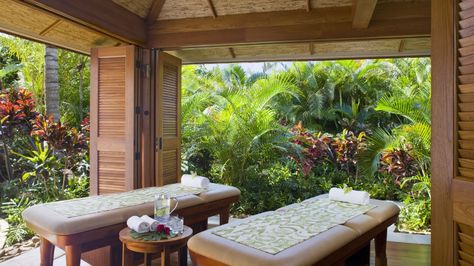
195	181
354	196
138	225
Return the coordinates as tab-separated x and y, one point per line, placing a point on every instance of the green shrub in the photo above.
17	230
274	188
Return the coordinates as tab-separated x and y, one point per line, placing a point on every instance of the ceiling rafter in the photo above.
50	27
363	11
155	11
232	52
401	46
311	49
213	9
103	16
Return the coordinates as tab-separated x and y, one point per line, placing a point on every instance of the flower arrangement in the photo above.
162	232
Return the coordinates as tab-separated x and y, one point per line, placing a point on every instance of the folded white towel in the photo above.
152	223
137	224
195	181
354	196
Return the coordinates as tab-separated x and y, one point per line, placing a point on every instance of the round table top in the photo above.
125	237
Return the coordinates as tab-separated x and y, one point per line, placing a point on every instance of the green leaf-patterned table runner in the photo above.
103	203
291	225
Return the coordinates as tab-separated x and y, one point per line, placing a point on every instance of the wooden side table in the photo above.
165	247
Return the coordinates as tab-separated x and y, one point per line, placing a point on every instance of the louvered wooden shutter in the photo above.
168	126
112	104
463	184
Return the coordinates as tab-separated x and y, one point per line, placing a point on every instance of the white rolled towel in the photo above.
354	196
152	223
137	224
195	181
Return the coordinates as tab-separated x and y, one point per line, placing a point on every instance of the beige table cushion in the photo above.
40	217
305	253
218	192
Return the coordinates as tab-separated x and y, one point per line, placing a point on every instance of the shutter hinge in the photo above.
158	144
138	110
137	156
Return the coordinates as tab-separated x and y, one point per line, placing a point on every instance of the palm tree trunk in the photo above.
51	83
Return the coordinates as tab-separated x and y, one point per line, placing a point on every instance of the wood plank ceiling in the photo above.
208	31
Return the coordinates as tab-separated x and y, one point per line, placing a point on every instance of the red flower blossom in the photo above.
160	228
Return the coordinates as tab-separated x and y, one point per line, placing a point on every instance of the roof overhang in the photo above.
319	30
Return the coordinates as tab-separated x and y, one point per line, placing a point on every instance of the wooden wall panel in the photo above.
168	122
112	155
443	156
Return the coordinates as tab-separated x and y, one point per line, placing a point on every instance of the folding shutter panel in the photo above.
463	184
112	104
168	126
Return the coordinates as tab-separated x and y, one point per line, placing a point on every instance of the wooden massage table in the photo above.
96	234
343	244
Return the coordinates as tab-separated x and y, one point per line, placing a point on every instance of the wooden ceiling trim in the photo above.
363	12
399	20
155	11
387	29
254	20
301	57
212	8
50	27
103	16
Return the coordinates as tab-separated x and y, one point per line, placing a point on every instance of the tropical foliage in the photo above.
284	134
40	160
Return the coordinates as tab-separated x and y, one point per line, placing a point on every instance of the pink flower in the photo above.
167	230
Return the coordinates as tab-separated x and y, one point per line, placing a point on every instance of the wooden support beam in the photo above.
104	16
308	5
232	52
155	11
213	9
50	27
363	11
392	20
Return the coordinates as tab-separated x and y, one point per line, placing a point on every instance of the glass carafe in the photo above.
163	207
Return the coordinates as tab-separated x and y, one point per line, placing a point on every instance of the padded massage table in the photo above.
80	234
346	244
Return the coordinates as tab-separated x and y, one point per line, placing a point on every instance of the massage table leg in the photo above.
183	256
73	255
224	216
361	258
380	249
46	252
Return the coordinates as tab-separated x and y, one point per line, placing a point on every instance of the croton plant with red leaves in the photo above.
399	164
17	109
340	150
59	136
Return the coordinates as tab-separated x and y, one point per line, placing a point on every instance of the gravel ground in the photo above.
7	253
